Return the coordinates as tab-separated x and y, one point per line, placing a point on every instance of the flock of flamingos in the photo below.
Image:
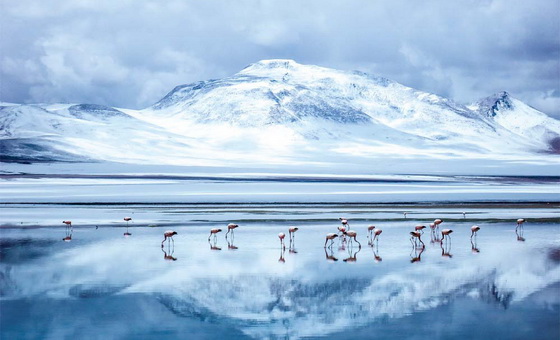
345	235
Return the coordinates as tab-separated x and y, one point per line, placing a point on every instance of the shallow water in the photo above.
102	284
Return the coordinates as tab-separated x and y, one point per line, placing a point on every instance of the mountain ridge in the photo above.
279	111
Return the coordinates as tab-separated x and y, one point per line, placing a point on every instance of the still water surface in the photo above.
103	284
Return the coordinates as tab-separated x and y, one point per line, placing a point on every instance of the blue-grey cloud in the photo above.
130	53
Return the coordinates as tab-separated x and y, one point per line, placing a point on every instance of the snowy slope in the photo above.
281	112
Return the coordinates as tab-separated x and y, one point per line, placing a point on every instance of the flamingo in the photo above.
352	234
68	225
230	228
446	232
464	214
343	221
214	231
370	230
415	235
168	235
330	236
127	219
474	230
520	222
420	228
404	213
281	237
376	233
292	232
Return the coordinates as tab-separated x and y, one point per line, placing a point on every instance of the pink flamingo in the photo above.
168	235
230	228
214	231
127	219
376	233
415	235
292	232
331	237
352	235
520	222
420	228
474	230
446	232
281	237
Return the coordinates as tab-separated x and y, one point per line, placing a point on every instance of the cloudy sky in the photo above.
129	53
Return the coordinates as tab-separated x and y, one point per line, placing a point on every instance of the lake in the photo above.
103	284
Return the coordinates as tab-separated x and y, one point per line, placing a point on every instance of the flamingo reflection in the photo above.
474	247
446	249
416	253
282	252
168	254
230	245
213	244
352	255
375	250
519	234
330	255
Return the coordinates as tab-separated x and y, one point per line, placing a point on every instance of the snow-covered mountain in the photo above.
281	112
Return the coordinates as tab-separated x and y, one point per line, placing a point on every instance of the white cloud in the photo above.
129	53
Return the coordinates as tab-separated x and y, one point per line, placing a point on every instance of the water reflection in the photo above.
352	255
519	233
375	250
282	252
168	253
329	254
446	249
230	244
213	244
416	253
474	247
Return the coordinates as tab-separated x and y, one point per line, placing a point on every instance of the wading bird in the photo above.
415	235
292	232
214	231
420	228
230	228
352	235
281	237
520	222
376	233
474	230
331	237
168	235
127	219
68	225
446	232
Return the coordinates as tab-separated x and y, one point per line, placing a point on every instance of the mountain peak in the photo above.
492	105
286	64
